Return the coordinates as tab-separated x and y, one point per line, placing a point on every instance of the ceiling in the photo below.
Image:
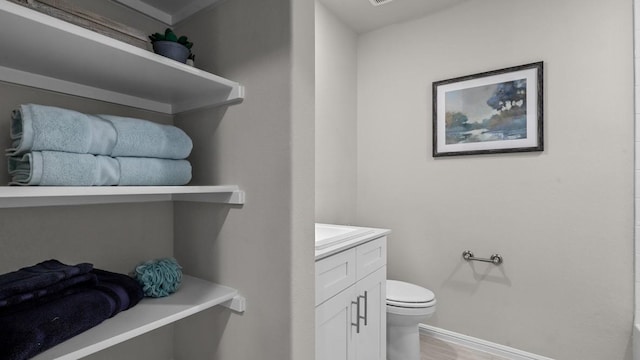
361	16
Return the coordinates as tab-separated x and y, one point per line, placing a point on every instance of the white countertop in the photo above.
367	234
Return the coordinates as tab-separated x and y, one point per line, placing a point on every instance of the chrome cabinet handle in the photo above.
366	306
357	323
358	316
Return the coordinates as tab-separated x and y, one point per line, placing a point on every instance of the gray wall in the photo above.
636	24
336	112
264	145
554	215
562	219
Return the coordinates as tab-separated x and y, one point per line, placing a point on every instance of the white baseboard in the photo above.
478	344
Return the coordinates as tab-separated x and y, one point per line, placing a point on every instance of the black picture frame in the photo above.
498	111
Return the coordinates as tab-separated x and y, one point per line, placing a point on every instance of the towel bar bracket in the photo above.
495	259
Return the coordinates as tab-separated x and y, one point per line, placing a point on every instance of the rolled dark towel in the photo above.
40	279
32	327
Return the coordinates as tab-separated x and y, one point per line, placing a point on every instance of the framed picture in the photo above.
492	112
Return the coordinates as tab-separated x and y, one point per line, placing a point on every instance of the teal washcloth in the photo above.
159	278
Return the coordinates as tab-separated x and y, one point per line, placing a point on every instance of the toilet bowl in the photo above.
407	306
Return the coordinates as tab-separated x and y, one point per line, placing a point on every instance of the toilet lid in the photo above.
400	293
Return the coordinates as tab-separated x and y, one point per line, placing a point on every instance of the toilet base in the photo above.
403	342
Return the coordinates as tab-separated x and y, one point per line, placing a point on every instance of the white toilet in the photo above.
407	306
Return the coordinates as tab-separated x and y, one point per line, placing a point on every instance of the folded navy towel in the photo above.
40	279
28	331
78	280
123	289
52	168
31	327
39	128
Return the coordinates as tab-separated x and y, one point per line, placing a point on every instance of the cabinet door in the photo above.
372	339
334	274
371	256
334	332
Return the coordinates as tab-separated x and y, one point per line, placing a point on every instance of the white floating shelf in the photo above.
42	51
33	196
195	295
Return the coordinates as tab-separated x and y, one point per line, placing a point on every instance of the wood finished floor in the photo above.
434	349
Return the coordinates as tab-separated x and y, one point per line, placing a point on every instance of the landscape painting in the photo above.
498	111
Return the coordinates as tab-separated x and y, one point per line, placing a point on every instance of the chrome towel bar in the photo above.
495	259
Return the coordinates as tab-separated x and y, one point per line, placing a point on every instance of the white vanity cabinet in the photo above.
351	303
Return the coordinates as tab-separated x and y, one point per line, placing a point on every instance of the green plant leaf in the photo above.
169	35
156	37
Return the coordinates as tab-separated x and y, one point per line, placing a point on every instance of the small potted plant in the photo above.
171	46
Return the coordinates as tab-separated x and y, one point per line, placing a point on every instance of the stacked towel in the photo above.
55	168
42	279
39	127
30	327
54	146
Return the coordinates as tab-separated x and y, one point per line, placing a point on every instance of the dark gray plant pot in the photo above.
172	50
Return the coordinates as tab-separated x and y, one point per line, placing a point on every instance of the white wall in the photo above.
562	219
336	146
